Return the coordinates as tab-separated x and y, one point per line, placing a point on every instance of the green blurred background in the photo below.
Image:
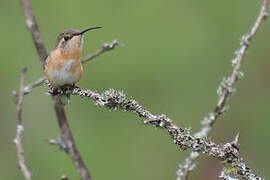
175	55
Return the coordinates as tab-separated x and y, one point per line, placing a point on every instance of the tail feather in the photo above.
64	99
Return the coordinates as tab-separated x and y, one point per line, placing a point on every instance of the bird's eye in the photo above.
66	38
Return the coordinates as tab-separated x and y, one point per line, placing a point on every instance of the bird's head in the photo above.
71	40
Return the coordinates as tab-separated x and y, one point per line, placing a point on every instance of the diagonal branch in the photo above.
66	137
19	129
105	48
245	41
224	91
33	28
59	109
227	153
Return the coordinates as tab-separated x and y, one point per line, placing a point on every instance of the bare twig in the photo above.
66	137
224	90
33	28
28	88
59	109
19	129
227	153
105	48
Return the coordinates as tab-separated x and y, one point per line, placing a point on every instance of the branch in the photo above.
28	88
108	46
226	86
224	91
59	109
33	28
105	48
66	137
227	153
19	130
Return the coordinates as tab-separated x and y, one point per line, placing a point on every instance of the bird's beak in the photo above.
87	29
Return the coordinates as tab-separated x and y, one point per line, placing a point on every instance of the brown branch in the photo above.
66	137
19	129
227	153
224	91
59	109
33	28
105	48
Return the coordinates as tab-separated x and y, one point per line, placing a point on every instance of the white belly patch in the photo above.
64	76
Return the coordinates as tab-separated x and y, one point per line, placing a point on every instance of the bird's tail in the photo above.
64	98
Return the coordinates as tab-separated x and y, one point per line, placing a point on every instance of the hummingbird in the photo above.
63	65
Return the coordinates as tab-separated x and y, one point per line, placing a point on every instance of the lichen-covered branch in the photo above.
224	91
227	153
107	46
19	128
187	166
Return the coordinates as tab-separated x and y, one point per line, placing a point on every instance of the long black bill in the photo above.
87	29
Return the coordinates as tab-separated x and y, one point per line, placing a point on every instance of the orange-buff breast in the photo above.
63	68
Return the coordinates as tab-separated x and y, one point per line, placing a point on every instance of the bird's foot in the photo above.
62	89
55	91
